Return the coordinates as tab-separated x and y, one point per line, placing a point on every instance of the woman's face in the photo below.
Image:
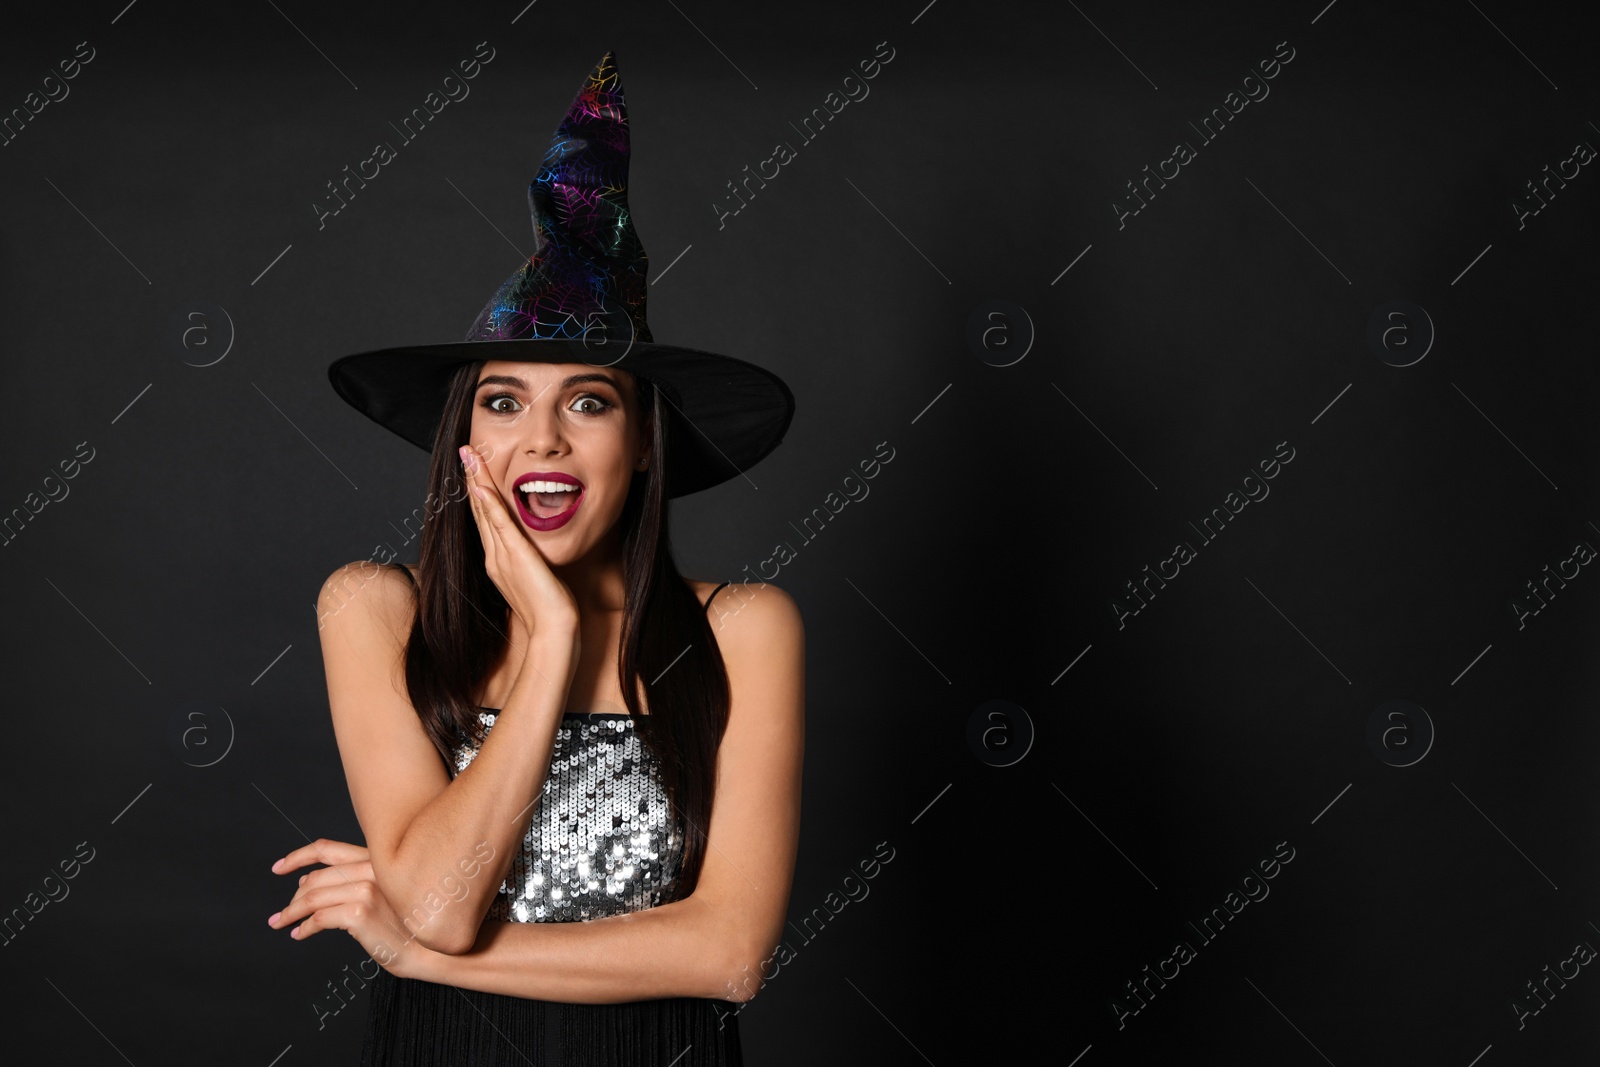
573	424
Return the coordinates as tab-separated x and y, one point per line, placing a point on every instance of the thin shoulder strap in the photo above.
713	595
407	572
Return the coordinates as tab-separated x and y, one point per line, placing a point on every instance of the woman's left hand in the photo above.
344	896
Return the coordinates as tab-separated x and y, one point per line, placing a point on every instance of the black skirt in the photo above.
412	1023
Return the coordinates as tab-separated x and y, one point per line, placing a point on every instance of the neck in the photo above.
596	583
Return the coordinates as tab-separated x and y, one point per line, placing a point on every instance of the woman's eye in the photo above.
600	404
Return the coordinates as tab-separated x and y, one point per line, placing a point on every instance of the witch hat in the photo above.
580	298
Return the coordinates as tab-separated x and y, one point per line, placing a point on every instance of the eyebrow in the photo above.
566	383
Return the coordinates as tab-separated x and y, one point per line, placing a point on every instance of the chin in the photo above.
558	547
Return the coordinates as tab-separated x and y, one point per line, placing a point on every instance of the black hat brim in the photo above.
727	415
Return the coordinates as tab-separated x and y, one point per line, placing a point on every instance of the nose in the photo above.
540	430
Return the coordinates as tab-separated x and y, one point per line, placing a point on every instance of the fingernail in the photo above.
276	864
295	933
274	917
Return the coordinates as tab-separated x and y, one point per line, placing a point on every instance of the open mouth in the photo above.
548	503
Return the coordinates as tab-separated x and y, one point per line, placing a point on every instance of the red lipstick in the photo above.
548	522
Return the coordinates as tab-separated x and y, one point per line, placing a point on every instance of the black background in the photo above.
1181	348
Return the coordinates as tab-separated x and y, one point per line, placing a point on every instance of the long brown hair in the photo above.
462	624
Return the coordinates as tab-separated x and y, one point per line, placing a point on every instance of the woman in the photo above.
581	803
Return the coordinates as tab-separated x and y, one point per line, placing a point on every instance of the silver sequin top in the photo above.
599	839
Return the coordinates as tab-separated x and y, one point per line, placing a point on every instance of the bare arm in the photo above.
422	828
715	942
665	951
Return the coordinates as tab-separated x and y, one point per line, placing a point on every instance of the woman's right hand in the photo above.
516	566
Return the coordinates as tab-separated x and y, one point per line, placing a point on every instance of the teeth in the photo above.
547	487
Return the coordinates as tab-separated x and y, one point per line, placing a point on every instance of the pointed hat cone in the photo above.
587	271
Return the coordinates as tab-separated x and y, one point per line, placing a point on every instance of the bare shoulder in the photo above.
370	592
749	616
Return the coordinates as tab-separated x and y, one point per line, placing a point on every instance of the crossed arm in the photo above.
688	948
712	943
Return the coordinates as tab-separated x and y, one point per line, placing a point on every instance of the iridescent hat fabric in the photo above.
580	298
